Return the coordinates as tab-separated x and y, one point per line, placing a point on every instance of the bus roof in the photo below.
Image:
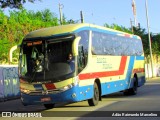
71	28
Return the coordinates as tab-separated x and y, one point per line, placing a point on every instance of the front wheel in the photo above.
94	101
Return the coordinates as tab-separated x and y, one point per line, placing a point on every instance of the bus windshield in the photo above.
47	60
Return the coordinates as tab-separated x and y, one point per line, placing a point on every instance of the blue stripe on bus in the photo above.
129	72
103	31
97	29
82	29
139	57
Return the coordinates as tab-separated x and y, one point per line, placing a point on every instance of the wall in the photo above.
148	70
9	82
1	84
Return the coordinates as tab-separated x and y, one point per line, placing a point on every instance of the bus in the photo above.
104	61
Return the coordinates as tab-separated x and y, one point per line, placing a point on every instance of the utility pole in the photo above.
149	38
60	12
82	18
131	25
134	12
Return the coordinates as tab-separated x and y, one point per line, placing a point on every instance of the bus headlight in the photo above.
26	91
66	87
75	80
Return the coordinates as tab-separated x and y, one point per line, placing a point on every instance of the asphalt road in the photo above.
147	100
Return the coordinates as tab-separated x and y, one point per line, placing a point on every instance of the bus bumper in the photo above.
61	97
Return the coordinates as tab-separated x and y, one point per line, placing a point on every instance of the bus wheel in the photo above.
132	91
49	106
94	101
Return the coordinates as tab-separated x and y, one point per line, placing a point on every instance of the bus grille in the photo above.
46	92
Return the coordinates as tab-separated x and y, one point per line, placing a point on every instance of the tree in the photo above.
144	36
71	21
117	27
156	43
14	3
19	23
156	47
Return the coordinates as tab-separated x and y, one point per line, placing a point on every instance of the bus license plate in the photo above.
45	99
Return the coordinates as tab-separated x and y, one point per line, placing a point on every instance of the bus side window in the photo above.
83	50
81	58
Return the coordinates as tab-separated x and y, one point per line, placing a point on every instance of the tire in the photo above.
94	101
49	106
132	91
24	104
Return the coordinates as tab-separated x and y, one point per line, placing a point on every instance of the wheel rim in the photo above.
96	94
94	100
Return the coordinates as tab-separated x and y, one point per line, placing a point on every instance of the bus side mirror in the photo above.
11	52
75	46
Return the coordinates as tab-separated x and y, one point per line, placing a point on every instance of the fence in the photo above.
9	82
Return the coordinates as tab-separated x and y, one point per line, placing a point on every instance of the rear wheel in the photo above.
133	90
49	106
94	101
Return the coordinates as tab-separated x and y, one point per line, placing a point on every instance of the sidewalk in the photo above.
154	79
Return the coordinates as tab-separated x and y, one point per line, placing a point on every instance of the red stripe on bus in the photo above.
50	86
127	35
106	73
139	70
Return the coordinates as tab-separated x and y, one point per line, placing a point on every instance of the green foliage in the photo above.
144	36
155	39
117	27
65	21
15	26
14	3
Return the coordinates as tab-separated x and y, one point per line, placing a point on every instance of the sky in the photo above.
100	12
